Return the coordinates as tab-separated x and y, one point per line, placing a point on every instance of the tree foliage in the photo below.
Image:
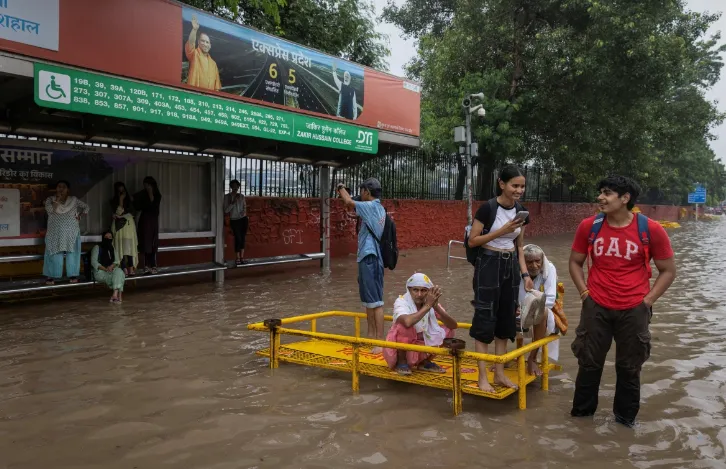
343	28
586	86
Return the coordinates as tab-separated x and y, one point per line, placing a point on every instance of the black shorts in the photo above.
496	295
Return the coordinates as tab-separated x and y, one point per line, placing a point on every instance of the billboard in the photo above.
86	92
221	56
32	174
232	62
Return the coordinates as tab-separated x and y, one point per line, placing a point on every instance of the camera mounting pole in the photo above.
469	110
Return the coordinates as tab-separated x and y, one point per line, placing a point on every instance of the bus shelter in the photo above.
98	92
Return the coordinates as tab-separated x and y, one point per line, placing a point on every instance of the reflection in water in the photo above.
170	379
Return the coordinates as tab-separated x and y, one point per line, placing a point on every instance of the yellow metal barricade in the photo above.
352	354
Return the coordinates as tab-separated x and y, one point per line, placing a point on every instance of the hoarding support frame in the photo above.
325	217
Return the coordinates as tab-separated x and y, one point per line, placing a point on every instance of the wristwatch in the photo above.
525	275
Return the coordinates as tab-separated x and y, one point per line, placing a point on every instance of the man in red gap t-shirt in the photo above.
617	299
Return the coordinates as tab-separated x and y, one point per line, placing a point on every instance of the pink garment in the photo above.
407	335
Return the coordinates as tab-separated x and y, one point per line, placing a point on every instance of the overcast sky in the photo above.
403	50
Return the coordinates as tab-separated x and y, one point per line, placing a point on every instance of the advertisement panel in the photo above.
74	90
9	213
222	56
33	22
33	172
113	37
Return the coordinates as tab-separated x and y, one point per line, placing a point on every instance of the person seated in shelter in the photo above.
106	269
415	321
544	276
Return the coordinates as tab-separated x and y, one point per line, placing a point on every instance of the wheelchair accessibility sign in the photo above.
54	87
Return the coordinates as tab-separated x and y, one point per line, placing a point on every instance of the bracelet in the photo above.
584	293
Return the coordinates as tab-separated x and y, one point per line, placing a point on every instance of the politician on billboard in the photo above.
258	66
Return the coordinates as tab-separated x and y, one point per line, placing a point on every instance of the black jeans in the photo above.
496	294
239	230
595	333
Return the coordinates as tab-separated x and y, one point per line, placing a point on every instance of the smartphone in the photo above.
521	215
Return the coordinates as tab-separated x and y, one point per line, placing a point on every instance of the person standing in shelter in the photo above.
123	228
370	263
235	206
203	71
617	298
499	269
416	318
106	268
148	202
63	236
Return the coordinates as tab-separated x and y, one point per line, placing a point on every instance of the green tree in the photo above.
586	86
343	28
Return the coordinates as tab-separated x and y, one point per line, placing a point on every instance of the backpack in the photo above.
643	232
472	254
388	243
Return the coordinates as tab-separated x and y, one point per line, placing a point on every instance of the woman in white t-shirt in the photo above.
498	272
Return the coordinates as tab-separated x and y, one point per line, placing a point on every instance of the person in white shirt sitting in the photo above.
544	276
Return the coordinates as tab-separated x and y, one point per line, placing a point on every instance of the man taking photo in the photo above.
370	263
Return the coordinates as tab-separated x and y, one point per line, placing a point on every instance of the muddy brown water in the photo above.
169	379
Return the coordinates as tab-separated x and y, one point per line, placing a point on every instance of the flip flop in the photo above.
431	367
403	369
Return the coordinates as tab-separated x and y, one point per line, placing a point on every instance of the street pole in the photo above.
468	168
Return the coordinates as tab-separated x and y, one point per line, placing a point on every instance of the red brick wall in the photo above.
292	226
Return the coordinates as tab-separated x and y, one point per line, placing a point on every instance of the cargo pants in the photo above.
595	333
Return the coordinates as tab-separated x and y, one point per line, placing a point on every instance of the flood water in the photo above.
169	379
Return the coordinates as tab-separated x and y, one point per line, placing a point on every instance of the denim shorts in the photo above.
370	281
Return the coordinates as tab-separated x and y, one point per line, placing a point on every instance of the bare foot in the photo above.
502	380
485	386
533	369
376	350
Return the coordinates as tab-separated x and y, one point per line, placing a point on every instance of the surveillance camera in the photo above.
477	96
481	112
466	102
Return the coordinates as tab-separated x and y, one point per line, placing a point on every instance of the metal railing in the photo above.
448	252
453	348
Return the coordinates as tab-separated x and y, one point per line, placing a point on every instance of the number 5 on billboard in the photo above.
291	76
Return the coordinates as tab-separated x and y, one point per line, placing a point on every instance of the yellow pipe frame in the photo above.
521	382
545	368
273	327
456	378
355	364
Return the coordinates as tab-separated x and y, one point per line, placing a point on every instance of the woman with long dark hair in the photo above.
123	229
148	202
106	267
499	233
63	236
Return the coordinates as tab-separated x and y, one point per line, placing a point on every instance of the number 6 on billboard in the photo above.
273	71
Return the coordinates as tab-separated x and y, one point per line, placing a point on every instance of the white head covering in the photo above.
433	333
534	250
419	280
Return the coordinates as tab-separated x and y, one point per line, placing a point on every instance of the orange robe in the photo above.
203	71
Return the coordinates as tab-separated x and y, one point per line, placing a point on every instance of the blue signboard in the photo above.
698	196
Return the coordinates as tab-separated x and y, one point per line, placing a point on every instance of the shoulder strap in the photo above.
594	231
373	232
644	235
493	207
595	228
